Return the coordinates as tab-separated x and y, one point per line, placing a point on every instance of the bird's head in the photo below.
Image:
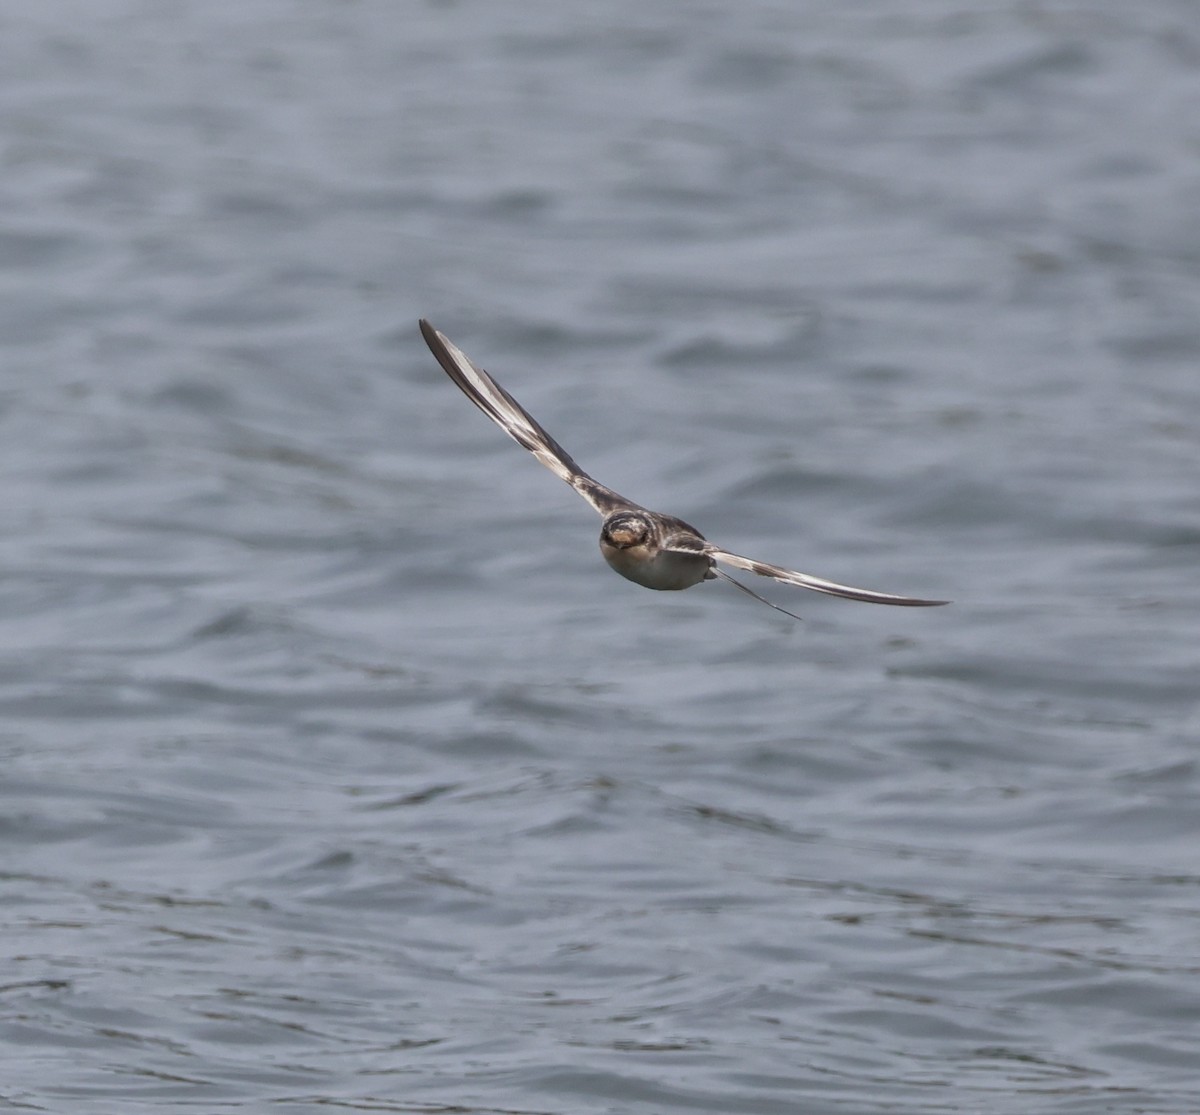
623	529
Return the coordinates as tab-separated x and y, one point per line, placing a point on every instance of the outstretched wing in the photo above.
818	584
517	422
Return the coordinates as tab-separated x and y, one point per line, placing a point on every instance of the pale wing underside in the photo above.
517	422
818	584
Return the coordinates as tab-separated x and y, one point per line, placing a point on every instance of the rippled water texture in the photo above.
340	773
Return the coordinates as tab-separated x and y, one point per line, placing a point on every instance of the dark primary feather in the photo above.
517	422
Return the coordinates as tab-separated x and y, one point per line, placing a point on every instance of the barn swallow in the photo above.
647	547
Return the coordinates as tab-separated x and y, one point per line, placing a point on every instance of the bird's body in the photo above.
647	547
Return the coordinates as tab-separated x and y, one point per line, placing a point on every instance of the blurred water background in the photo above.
338	770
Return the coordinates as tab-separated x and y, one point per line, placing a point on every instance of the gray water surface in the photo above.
338	770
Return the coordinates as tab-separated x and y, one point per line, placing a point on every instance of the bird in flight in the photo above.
649	548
